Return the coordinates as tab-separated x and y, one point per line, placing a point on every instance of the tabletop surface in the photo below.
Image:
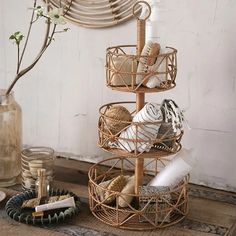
212	212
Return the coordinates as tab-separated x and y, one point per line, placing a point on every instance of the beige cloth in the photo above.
122	69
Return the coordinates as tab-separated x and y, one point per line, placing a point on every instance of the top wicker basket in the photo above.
128	72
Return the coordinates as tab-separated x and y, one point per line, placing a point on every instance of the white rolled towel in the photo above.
176	170
146	132
159	66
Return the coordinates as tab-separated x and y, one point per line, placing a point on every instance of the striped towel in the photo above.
147	132
172	114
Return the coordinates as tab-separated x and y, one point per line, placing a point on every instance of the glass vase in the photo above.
10	139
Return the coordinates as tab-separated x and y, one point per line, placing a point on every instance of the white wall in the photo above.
61	96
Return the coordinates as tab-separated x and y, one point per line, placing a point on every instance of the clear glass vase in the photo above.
10	139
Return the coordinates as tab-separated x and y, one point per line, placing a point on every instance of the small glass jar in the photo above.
33	159
10	139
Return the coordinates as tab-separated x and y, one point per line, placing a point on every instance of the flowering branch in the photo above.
55	17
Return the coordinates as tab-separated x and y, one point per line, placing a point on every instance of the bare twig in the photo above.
18	58
52	34
28	34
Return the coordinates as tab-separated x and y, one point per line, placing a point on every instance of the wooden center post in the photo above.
140	97
140	100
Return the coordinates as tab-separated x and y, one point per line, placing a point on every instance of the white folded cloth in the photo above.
147	132
158	67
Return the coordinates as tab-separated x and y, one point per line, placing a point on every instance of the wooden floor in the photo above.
212	212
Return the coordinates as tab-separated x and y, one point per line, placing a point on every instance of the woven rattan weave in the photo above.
145	212
98	13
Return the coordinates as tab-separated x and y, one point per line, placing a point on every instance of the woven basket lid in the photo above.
97	13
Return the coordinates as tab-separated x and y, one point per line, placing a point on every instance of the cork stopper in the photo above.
41	172
42	186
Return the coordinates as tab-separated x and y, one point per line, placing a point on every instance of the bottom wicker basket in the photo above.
149	209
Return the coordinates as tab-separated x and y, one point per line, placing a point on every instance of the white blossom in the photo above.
56	16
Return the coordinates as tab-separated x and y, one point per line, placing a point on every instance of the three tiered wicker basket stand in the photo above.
139	209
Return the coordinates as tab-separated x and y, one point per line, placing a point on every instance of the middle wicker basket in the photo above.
127	138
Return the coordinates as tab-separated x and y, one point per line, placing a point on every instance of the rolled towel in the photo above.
146	132
160	67
172	124
149	55
166	134
172	114
152	63
176	170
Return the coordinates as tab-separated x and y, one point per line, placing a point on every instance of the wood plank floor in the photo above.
212	212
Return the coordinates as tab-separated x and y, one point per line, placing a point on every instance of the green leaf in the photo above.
16	33
12	37
20	37
66	29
